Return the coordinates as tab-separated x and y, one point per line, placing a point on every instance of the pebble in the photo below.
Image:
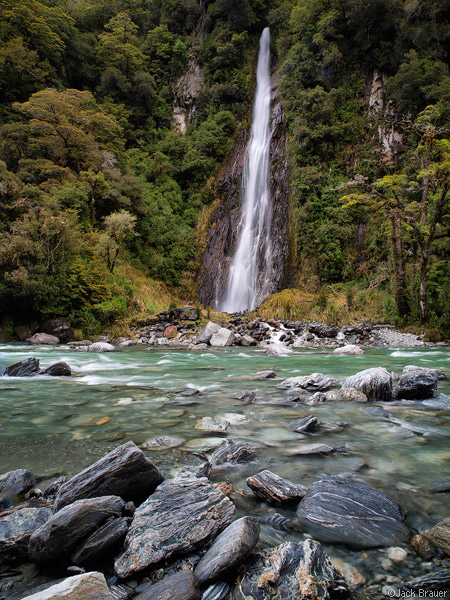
397	554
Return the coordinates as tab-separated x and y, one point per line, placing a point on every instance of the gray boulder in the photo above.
223	337
229	550
291	571
306	425
59	369
316	382
247	340
16	482
232	453
181	516
349	349
439	535
264	375
58	327
101	347
66	530
274	489
24	368
124	472
16	527
375	383
43	338
87	586
346	511
207	332
179	586
416	383
102	542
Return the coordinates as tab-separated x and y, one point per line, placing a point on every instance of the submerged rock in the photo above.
124	472
66	530
163	442
311	449
291	570
347	511
209	424
416	383
375	383
59	369
24	368
306	425
15	483
277	350
16	528
179	586
316	382
352	394
87	586
246	396
274	489
181	516
264	375
435	581
232	453
229	550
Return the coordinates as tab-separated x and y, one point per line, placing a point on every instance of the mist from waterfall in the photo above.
250	272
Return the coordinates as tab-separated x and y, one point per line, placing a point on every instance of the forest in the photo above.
100	190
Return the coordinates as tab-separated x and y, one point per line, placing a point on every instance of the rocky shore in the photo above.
119	530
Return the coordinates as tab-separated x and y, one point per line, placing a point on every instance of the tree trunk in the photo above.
423	292
401	299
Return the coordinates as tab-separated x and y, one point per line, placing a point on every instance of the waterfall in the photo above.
250	271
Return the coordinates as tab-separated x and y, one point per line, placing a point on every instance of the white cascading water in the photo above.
249	276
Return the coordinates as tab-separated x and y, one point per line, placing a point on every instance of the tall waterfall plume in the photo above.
250	271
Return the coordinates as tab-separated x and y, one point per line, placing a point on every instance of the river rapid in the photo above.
59	425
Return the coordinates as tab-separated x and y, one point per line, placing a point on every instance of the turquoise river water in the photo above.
61	425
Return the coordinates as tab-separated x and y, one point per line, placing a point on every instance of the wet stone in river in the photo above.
274	489
306	425
232	453
179	586
228	551
347	511
289	571
182	515
16	527
375	383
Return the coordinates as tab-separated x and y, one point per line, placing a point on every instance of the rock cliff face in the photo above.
185	93
382	111
224	220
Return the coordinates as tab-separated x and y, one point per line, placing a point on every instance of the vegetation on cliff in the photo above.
98	184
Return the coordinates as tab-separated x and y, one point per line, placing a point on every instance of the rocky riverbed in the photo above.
250	469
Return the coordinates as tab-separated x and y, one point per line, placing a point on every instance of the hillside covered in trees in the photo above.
99	182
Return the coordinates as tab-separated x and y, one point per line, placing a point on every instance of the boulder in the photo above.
53	488
277	350
171	332
16	482
58	327
439	535
375	383
306	425
353	395
229	550
179	586
102	542
124	472
246	396
24	368
291	570
424	547
346	511
207	332
232	453
16	527
181	516
25	331
101	347
66	530
87	586
274	489
323	330
416	383
223	337
264	375
438	582
59	369
316	382
218	591
349	349
43	338
247	340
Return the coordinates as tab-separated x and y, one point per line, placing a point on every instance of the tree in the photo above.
414	202
119	227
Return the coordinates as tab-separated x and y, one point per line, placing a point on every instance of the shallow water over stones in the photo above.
55	426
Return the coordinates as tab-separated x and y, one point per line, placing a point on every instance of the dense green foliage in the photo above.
93	168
